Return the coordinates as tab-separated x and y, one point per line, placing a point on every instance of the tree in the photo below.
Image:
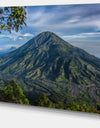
73	106
12	18
12	92
44	101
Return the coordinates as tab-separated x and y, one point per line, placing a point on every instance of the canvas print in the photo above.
50	56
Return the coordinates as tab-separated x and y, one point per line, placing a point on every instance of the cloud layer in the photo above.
15	35
69	20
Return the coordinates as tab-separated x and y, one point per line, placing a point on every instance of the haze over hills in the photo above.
7	50
48	64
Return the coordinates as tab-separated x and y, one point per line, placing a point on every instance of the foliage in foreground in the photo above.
44	101
12	18
12	92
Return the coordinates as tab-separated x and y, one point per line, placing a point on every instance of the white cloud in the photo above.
15	35
5	47
40	18
73	37
20	38
28	34
82	35
1	49
11	45
64	19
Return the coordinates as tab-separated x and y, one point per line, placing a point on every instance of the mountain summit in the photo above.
47	56
47	64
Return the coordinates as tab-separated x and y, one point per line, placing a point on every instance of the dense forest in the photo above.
12	92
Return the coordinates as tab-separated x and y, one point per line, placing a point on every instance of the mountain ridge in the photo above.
47	64
50	57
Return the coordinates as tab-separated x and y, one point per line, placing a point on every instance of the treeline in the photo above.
12	92
44	101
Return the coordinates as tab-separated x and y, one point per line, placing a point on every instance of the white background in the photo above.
20	116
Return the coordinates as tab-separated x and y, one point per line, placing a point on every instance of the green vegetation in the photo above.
49	57
12	92
44	101
68	77
12	18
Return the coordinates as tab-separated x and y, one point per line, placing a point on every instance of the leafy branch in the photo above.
12	18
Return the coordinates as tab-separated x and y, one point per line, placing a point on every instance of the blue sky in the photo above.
77	24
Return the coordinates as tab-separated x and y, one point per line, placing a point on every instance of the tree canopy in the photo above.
44	101
12	92
12	18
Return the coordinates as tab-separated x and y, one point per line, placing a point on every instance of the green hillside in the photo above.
49	65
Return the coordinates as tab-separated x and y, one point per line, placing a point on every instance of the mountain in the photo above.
7	50
48	64
12	49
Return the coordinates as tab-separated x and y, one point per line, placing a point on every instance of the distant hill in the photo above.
2	52
48	64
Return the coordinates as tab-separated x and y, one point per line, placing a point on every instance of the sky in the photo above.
77	24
